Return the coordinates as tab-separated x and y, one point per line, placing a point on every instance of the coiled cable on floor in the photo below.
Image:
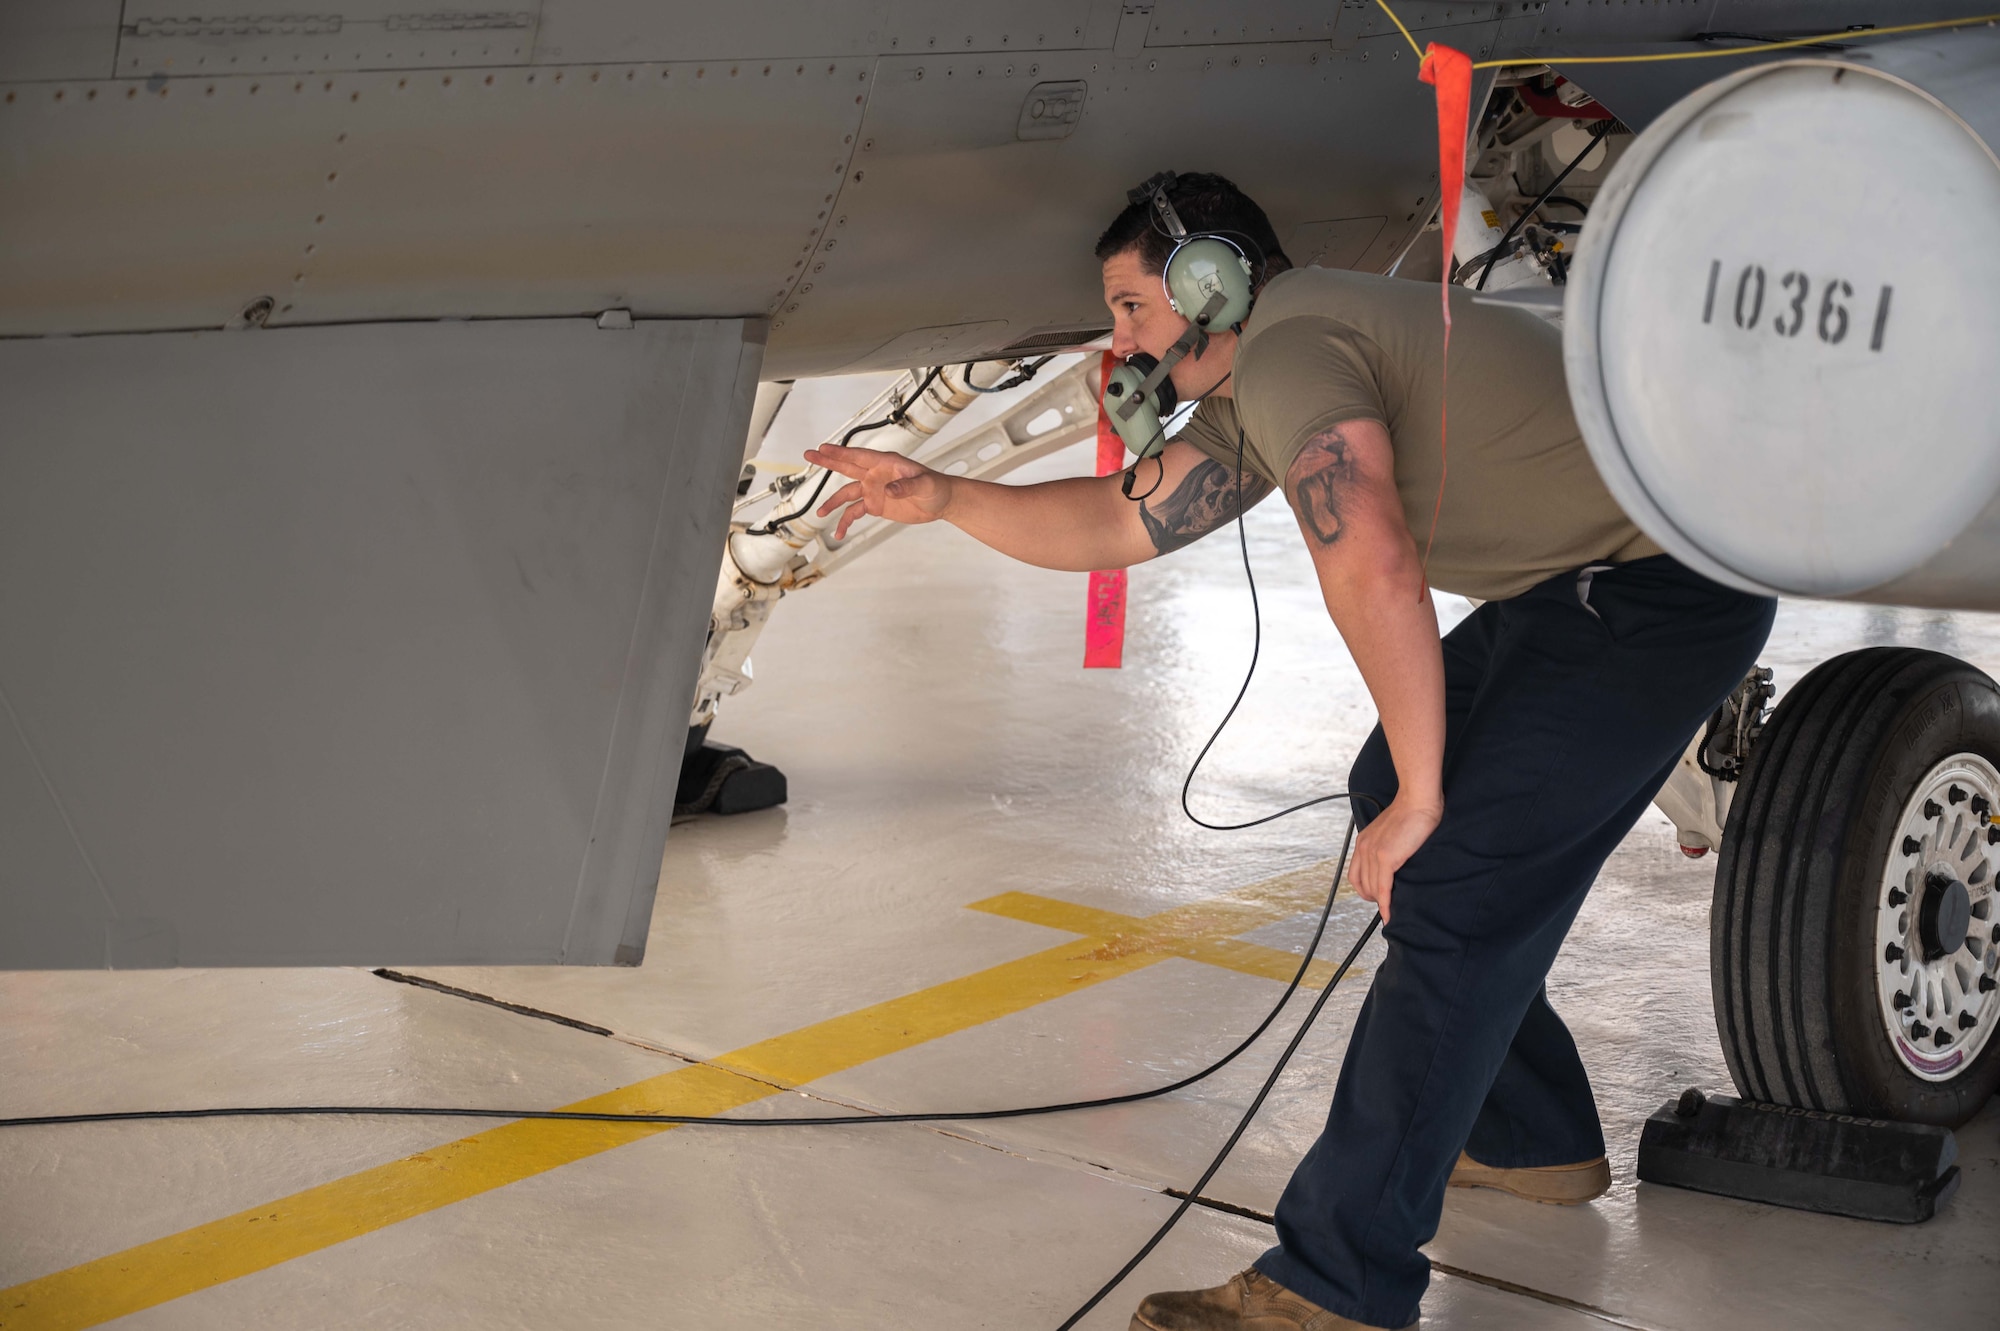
719	1120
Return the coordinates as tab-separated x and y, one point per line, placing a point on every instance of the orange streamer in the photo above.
1450	72
1104	628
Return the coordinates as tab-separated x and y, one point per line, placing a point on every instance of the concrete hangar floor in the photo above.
981	893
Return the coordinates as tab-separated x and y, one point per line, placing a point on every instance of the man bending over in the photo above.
1510	759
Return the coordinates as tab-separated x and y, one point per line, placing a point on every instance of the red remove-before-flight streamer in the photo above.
1104	629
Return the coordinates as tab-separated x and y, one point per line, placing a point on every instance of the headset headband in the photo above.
1154	193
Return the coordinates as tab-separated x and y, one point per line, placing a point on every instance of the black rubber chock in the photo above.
1839	1164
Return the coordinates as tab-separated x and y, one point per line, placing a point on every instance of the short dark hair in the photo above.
1205	202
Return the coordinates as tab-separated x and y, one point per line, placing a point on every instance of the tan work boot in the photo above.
1251	1301
1554	1185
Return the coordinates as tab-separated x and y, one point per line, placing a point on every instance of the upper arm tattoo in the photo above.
1205	499
1321	484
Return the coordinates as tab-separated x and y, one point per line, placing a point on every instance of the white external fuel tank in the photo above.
1783	334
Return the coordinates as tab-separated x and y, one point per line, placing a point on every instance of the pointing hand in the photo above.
883	485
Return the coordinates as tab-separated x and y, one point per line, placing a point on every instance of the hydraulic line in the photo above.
1597	134
1026	372
895	417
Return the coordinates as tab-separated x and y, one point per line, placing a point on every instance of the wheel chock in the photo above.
716	778
1838	1164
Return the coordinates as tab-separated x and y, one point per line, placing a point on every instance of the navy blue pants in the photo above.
1565	709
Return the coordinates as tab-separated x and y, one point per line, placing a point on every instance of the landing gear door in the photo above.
354	645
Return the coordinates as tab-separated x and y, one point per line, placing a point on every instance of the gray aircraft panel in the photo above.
58	39
621	30
1640	93
529	186
687	160
160	36
1465	26
1219	22
949	127
369	196
383	657
1793	18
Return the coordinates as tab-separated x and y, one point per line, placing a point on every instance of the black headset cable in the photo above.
718	1120
1312	1014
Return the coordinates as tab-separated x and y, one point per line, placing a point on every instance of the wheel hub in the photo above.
1937	930
1945	917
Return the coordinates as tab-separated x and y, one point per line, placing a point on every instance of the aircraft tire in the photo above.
1851	928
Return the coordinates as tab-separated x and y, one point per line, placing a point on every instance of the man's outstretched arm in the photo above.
1077	524
1342	487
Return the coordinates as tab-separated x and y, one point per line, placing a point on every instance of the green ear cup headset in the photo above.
1208	283
1134	414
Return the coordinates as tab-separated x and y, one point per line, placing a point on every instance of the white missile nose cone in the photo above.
1778	381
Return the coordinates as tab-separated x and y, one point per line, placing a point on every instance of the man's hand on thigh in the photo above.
1387	843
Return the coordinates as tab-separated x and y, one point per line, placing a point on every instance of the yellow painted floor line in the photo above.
1164	933
254	1240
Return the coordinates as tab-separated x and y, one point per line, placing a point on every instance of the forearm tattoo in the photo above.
1205	499
1320	482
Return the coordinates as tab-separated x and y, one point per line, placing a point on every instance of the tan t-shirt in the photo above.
1522	501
